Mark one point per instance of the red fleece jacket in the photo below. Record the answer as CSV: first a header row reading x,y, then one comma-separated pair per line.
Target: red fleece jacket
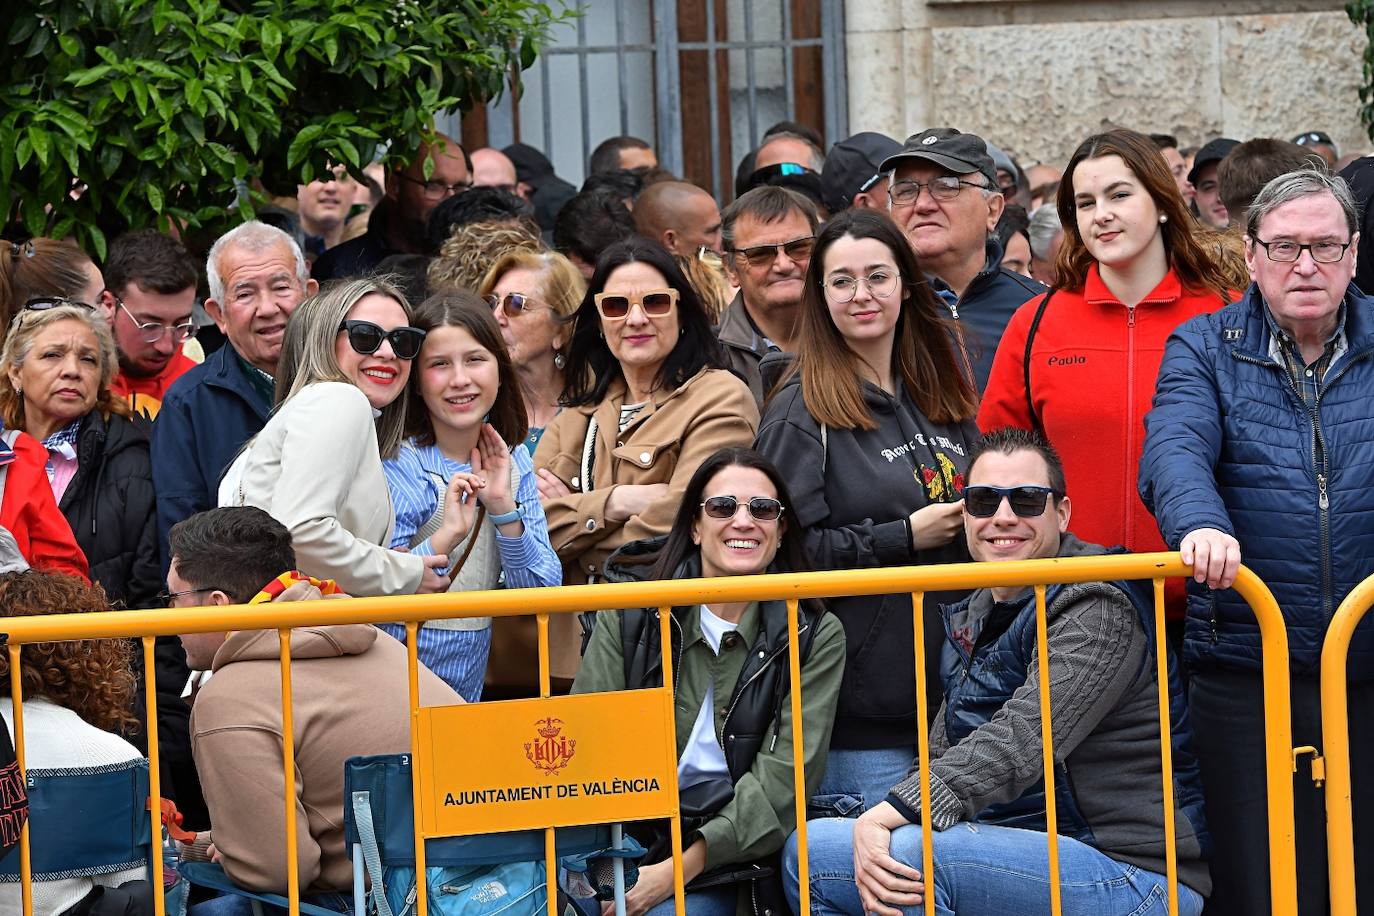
x,y
1093,368
29,511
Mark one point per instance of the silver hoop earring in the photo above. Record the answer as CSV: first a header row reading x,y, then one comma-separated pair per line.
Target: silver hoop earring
x,y
559,360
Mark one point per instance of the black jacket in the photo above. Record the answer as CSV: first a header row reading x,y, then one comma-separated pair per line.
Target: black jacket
x,y
113,512
981,314
852,490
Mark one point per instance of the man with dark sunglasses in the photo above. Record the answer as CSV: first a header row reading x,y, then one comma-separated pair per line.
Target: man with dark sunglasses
x,y
768,234
987,815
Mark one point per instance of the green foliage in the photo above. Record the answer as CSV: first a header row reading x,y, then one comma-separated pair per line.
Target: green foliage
x,y
171,109
1361,12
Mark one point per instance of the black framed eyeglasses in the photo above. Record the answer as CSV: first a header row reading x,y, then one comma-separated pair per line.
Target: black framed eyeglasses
x,y
1286,252
168,597
513,304
797,250
153,331
941,187
1026,501
438,190
762,508
44,303
366,338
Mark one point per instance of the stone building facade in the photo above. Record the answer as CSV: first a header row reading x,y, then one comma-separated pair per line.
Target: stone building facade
x,y
1037,76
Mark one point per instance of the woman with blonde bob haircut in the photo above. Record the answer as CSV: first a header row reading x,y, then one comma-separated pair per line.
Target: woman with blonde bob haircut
x,y
1078,364
55,373
340,408
872,432
534,295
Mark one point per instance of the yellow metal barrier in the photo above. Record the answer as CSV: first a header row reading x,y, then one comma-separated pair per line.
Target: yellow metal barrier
x,y
413,610
1340,826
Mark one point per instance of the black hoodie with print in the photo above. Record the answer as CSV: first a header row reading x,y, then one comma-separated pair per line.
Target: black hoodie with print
x,y
852,493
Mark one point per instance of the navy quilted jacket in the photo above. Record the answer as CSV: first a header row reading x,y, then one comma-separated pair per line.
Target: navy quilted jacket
x,y
1230,445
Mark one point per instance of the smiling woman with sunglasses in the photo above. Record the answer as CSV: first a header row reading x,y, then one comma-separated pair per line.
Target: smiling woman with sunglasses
x,y
533,295
317,465
646,402
737,797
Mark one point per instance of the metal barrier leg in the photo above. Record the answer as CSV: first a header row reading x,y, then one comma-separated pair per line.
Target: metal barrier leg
x,y
618,867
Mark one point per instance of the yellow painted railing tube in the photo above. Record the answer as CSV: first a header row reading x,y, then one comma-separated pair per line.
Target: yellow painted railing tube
x,y
550,836
918,628
288,756
1047,746
1278,742
1166,748
154,770
665,641
413,682
17,699
1340,825
798,758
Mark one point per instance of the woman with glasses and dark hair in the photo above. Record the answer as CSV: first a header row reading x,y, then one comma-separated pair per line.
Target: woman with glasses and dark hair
x,y
316,466
1078,364
459,489
55,371
533,296
872,430
735,751
645,403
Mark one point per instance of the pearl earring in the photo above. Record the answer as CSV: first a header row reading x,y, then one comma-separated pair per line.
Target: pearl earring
x,y
1163,217
559,360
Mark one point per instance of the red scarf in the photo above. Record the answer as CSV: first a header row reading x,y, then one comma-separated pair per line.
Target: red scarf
x,y
272,590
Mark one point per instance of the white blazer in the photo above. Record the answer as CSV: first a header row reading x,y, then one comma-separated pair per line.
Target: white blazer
x,y
317,469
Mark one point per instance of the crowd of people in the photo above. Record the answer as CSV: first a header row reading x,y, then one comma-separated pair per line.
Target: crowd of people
x,y
465,374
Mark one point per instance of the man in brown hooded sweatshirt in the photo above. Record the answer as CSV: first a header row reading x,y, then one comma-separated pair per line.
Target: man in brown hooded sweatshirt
x,y
350,698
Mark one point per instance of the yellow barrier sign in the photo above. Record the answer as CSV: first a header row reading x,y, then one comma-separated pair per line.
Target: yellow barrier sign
x,y
554,762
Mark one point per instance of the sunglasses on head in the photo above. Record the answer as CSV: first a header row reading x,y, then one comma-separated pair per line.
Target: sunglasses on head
x,y
1026,501
366,338
43,303
762,508
616,306
514,304
797,250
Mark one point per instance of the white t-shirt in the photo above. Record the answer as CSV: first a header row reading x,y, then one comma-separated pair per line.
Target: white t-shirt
x,y
704,758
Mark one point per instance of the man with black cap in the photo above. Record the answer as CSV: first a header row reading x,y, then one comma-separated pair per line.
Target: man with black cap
x,y
1207,202
536,182
851,177
944,195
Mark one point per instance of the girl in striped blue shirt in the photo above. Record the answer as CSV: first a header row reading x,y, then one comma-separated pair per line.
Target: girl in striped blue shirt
x,y
456,486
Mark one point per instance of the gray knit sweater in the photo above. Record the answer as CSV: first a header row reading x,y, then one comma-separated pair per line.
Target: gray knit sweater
x,y
1105,726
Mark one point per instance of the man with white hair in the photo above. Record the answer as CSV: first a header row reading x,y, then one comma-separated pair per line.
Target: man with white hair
x,y
257,276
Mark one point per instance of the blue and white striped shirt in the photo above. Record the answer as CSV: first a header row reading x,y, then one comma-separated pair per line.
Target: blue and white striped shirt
x,y
528,561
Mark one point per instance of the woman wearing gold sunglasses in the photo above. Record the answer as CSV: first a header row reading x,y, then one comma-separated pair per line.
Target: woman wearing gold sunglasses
x,y
646,402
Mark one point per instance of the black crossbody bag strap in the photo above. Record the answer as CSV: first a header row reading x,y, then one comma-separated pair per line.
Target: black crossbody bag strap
x,y
1026,361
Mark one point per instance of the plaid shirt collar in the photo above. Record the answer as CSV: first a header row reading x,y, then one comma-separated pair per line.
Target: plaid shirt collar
x,y
1284,349
64,440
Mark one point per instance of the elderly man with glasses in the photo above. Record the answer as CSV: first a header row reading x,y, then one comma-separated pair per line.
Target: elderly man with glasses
x,y
150,291
1259,448
944,194
397,224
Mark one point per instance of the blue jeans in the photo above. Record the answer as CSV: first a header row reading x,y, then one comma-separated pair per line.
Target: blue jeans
x,y
858,780
234,905
984,870
718,901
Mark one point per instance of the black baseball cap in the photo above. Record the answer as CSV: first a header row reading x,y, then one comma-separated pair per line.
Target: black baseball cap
x,y
853,166
1212,151
961,153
